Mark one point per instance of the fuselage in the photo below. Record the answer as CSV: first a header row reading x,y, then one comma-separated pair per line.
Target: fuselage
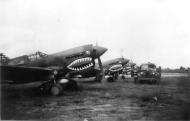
x,y
75,60
115,65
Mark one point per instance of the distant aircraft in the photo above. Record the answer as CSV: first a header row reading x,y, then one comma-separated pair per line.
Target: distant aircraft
x,y
114,67
130,68
54,70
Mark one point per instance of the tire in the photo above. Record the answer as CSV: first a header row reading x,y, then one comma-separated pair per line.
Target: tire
x,y
56,90
110,79
158,81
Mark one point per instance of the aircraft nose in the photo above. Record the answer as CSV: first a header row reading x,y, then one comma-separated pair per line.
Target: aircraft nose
x,y
126,61
98,51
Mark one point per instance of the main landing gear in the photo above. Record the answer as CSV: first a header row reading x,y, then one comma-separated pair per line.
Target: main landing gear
x,y
56,88
112,78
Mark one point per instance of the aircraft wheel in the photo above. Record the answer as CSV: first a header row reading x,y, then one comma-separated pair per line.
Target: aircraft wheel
x,y
110,79
56,89
123,77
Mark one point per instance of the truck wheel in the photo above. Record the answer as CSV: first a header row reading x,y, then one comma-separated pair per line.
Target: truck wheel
x,y
56,89
151,81
141,81
158,81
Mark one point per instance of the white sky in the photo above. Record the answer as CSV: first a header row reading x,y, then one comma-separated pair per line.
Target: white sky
x,y
142,30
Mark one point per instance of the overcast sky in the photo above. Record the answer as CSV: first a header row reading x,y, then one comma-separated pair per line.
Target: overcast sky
x,y
142,30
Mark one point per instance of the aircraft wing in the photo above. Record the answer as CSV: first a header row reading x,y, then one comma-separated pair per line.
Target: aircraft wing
x,y
20,74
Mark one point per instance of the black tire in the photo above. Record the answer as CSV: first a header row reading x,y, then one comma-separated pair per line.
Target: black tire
x,y
141,81
56,90
123,77
110,79
158,81
151,81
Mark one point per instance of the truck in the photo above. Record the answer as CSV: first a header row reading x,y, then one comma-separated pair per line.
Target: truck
x,y
148,73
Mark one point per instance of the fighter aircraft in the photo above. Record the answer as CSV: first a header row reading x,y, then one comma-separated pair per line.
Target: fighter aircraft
x,y
55,71
130,68
114,67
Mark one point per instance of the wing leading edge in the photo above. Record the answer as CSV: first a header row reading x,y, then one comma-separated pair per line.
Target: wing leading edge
x,y
20,74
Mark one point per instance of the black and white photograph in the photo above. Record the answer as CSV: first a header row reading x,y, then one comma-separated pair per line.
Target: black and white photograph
x,y
95,60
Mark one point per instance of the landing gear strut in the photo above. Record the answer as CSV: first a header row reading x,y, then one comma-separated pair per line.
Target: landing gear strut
x,y
54,89
99,75
57,88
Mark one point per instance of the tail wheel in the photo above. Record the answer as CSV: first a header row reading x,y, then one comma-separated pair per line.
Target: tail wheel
x,y
56,89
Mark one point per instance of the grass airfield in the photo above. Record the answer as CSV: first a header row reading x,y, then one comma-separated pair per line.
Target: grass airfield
x,y
116,101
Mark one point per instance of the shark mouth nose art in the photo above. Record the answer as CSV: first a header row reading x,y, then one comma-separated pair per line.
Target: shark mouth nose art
x,y
117,67
81,64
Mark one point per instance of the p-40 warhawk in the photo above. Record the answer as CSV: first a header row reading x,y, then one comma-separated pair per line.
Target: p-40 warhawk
x,y
54,70
114,67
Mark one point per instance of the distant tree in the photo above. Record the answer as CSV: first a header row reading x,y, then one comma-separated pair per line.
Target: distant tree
x,y
188,69
182,68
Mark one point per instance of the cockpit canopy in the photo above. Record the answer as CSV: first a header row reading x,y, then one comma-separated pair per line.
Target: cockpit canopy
x,y
37,55
26,58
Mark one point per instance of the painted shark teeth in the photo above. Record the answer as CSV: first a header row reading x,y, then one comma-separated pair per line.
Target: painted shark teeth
x,y
115,68
87,59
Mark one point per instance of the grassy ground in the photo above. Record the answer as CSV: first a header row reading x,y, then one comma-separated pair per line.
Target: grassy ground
x,y
172,100
118,101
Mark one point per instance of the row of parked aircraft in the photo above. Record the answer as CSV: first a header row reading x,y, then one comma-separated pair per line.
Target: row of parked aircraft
x,y
57,71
